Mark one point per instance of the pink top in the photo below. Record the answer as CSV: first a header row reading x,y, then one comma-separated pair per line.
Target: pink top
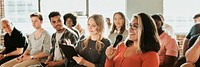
x,y
148,59
168,47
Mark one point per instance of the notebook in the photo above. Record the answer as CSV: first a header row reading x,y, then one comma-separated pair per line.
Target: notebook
x,y
68,51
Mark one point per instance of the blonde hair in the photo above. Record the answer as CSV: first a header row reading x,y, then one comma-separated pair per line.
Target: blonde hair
x,y
100,28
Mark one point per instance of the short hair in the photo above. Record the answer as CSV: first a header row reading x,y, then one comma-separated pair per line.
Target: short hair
x,y
71,16
147,34
7,21
4,20
196,16
37,14
54,13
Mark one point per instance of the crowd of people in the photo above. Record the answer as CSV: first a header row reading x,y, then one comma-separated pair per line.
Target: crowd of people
x,y
148,42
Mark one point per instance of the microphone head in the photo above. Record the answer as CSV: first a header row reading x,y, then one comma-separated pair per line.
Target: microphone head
x,y
118,39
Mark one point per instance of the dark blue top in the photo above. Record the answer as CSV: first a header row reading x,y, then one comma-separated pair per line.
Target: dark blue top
x,y
194,30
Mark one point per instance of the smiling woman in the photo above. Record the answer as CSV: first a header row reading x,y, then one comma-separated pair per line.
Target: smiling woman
x,y
140,48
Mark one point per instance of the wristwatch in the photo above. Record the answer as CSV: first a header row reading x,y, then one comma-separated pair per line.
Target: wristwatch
x,y
4,55
31,57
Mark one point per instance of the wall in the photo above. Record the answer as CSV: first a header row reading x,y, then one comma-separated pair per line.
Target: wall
x,y
146,6
1,16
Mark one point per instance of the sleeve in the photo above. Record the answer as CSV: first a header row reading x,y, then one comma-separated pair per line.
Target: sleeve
x,y
190,32
46,44
29,44
5,40
52,48
70,63
21,41
172,48
109,63
150,59
73,39
103,55
79,46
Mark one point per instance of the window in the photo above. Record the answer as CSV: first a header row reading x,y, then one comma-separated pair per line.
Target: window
x,y
79,7
179,14
18,12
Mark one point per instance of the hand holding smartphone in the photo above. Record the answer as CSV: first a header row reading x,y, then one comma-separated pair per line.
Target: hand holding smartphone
x,y
43,64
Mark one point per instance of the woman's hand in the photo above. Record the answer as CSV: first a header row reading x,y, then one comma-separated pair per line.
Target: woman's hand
x,y
79,60
68,42
110,52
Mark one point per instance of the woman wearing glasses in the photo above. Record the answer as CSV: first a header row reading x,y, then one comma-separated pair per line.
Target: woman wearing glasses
x,y
141,47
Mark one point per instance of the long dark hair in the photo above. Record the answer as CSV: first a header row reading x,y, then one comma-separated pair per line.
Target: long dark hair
x,y
148,36
123,28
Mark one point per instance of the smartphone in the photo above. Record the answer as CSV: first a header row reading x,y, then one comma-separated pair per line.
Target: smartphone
x,y
44,65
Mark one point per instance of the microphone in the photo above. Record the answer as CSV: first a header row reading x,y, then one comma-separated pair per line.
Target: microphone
x,y
118,39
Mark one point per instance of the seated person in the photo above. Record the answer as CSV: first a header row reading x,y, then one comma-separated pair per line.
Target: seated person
x,y
192,55
70,21
14,42
141,47
118,27
92,49
38,47
193,31
56,57
169,47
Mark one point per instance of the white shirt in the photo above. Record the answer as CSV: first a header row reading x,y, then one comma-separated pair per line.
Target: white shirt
x,y
57,53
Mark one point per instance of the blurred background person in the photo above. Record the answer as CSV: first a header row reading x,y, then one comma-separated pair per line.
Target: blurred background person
x,y
195,30
81,31
118,27
168,52
70,21
192,55
108,22
167,28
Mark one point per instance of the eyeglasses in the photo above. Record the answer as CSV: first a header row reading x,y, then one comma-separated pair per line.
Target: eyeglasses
x,y
133,26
